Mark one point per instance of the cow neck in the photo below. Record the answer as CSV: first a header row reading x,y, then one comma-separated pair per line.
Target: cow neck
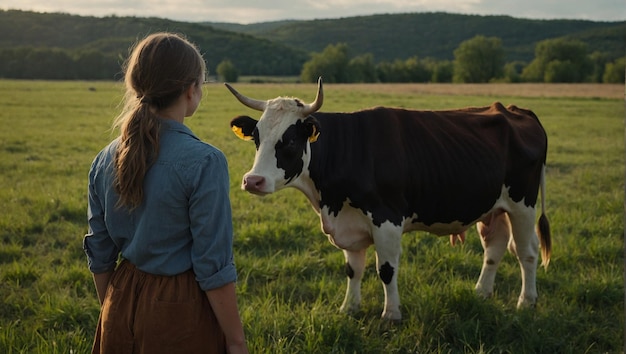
x,y
307,187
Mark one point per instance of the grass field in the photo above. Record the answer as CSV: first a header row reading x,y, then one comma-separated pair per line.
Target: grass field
x,y
291,280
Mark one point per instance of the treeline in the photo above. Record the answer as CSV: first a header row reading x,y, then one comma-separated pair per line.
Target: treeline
x,y
46,63
378,48
58,64
477,60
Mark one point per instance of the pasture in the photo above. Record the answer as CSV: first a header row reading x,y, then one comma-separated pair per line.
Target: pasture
x,y
291,279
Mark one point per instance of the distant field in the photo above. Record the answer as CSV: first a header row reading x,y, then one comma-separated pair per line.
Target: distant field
x,y
291,280
513,90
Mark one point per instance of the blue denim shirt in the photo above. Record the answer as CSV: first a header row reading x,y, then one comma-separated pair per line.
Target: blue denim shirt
x,y
184,221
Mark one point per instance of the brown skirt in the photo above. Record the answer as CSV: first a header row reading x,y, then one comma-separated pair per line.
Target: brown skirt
x,y
144,313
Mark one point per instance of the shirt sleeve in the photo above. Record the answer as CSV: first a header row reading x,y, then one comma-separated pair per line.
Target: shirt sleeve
x,y
211,226
101,251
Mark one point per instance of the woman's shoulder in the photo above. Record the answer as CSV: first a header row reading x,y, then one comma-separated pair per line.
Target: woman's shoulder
x,y
108,152
204,150
187,147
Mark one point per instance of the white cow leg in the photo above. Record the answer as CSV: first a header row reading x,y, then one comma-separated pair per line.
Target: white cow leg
x,y
494,236
388,250
527,250
355,266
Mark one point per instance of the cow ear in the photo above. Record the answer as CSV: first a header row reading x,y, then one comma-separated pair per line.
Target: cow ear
x,y
243,126
314,128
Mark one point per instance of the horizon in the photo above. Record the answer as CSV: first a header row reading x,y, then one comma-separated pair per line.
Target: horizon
x,y
249,12
313,19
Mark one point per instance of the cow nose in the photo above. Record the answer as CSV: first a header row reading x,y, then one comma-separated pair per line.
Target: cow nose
x,y
253,183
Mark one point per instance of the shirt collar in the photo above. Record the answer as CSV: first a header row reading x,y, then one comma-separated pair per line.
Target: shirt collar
x,y
173,125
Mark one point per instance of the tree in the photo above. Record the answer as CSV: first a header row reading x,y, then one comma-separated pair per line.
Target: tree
x,y
409,70
513,71
614,72
561,71
227,71
554,56
362,69
92,64
331,64
598,61
384,72
417,70
443,71
479,59
12,64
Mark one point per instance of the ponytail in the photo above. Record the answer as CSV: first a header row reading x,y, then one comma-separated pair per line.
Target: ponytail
x,y
137,149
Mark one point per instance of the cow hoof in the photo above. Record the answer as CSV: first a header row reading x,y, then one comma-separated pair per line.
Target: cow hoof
x,y
351,310
392,316
526,303
485,294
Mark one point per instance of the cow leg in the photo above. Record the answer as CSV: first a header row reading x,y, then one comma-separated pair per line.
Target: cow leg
x,y
494,235
526,248
388,250
355,267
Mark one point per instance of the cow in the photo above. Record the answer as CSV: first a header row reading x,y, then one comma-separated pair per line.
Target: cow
x,y
375,174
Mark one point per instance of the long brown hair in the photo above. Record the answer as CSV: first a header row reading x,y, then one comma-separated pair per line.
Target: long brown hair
x,y
160,68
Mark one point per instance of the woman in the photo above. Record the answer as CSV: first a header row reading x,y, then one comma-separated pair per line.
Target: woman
x,y
160,230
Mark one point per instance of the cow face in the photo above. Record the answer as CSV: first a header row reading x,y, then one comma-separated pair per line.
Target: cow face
x,y
282,136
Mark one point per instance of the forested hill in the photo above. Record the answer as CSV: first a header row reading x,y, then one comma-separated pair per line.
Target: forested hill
x,y
400,36
112,37
62,46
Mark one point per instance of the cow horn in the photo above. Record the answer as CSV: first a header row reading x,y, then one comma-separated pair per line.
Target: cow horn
x,y
319,99
247,101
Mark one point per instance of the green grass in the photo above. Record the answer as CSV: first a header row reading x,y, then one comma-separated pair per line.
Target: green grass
x,y
291,279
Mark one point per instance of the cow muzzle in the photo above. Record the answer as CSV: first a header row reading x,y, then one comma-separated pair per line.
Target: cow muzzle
x,y
255,184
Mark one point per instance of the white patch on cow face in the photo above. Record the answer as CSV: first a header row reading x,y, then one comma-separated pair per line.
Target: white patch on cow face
x,y
280,114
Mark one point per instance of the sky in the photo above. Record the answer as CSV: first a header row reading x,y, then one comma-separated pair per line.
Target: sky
x,y
253,11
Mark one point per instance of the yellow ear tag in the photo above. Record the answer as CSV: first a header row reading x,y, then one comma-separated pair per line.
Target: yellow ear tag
x,y
239,132
314,136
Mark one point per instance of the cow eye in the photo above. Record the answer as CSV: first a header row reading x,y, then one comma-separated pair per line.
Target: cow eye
x,y
291,143
287,144
287,148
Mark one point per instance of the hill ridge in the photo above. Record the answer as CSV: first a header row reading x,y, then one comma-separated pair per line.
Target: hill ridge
x,y
282,47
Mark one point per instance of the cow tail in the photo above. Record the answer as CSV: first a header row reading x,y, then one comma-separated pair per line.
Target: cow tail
x,y
543,226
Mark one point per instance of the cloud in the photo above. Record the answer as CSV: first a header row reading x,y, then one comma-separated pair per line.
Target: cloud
x,y
557,9
250,11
